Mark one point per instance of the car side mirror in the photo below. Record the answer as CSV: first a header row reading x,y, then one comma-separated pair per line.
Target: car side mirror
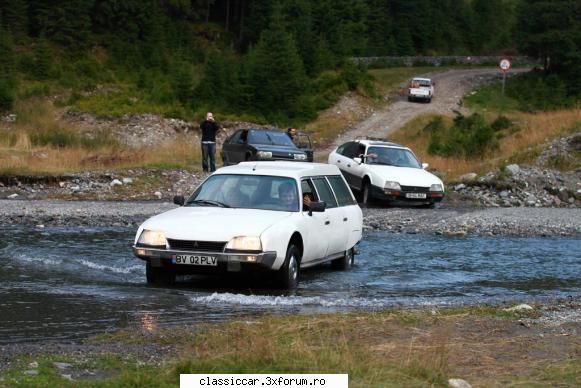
x,y
179,200
425,166
318,207
358,160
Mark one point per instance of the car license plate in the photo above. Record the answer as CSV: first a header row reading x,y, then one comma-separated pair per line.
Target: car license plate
x,y
416,195
195,260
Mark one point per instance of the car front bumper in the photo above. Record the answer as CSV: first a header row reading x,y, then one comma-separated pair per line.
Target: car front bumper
x,y
407,196
226,261
420,96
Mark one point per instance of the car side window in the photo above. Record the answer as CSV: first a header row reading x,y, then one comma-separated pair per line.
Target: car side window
x,y
341,149
307,188
235,137
351,150
342,192
325,192
360,151
243,136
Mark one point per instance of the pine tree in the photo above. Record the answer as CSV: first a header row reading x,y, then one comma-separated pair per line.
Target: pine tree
x,y
277,73
43,59
551,31
13,17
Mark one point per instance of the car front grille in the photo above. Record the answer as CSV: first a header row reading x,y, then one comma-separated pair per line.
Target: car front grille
x,y
415,189
198,246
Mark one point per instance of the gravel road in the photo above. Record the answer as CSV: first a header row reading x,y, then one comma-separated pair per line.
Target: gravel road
x,y
451,86
450,221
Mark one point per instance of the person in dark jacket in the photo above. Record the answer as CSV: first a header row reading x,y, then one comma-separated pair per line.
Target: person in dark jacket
x,y
291,132
209,129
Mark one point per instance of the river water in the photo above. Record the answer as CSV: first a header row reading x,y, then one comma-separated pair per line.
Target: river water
x,y
69,283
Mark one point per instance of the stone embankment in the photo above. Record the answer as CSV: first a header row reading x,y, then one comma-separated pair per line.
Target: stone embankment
x,y
532,186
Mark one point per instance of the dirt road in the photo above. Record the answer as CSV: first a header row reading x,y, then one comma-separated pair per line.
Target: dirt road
x,y
451,86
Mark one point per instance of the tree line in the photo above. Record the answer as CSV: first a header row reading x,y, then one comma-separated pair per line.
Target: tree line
x,y
282,59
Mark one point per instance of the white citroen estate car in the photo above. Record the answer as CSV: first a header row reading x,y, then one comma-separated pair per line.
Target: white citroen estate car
x,y
279,217
386,171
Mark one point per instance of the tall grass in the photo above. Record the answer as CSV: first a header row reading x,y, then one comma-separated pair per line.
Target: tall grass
x,y
534,130
40,142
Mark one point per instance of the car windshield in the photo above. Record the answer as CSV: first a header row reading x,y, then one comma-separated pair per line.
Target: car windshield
x,y
425,84
270,137
389,156
247,192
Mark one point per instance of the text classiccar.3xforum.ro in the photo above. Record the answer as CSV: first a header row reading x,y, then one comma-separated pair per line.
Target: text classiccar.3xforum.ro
x,y
264,380
267,381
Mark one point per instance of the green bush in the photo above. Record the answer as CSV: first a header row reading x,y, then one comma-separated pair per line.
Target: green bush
x,y
501,122
59,138
468,136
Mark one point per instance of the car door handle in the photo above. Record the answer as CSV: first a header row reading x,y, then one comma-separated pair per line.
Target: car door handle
x,y
348,165
327,222
338,161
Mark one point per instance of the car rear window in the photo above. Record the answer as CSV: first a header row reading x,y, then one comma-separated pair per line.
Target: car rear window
x,y
270,138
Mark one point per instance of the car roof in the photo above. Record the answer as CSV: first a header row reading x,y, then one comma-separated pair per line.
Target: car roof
x,y
380,143
261,129
282,168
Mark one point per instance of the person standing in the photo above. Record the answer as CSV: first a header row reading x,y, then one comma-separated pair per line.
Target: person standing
x,y
209,129
291,132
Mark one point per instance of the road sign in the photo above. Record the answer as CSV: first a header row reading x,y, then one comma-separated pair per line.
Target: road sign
x,y
504,64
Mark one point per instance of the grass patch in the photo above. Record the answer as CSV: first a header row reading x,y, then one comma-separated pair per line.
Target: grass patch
x,y
115,104
40,143
529,92
522,146
484,345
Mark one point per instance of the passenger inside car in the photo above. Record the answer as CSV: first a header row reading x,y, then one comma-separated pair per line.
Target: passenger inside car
x,y
236,198
288,197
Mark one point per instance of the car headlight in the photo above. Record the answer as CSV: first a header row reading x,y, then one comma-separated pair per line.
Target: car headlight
x,y
390,185
300,157
152,237
264,155
245,243
436,187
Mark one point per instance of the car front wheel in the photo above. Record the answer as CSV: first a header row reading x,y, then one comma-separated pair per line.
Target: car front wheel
x,y
366,193
158,275
288,274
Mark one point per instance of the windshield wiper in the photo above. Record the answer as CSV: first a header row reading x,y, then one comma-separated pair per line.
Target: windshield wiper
x,y
208,202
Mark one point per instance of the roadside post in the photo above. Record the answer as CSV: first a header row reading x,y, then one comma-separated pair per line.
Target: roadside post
x,y
504,67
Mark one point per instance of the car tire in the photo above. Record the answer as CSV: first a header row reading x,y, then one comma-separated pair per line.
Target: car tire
x,y
366,193
346,262
158,275
288,274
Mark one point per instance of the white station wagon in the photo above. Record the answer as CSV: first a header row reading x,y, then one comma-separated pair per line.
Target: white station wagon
x,y
275,216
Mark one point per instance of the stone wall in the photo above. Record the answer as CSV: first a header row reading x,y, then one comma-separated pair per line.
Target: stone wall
x,y
445,60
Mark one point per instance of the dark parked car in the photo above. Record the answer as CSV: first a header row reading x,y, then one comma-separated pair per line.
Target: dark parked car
x,y
261,144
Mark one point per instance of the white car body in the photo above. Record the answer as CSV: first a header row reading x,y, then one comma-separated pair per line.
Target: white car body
x,y
327,234
383,179
421,89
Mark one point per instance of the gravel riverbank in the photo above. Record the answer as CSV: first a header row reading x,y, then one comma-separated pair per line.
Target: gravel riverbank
x,y
451,221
